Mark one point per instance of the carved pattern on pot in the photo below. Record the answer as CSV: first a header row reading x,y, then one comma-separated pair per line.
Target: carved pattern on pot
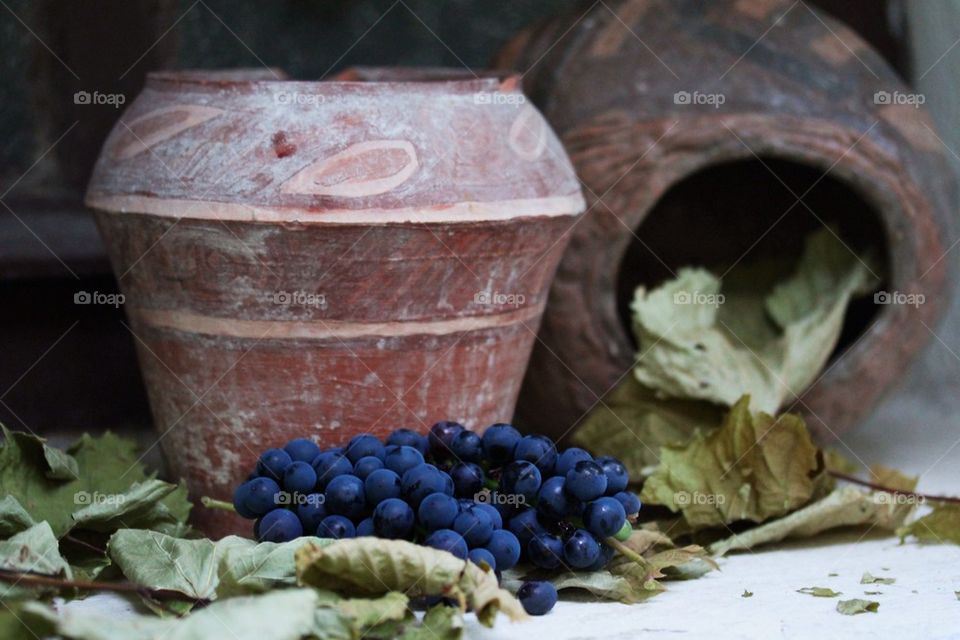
x,y
362,169
150,129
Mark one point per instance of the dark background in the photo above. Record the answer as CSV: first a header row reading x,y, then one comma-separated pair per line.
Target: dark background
x,y
65,367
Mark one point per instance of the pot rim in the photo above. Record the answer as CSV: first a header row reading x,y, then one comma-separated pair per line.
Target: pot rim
x,y
356,79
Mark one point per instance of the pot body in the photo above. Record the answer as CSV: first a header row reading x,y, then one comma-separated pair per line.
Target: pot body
x,y
646,93
328,259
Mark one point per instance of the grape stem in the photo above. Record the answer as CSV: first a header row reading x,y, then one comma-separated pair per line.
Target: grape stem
x,y
44,580
877,487
626,551
213,503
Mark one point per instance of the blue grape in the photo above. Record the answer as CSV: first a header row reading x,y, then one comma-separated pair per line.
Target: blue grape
x,y
586,481
365,528
362,446
402,459
495,516
311,512
279,525
525,526
505,548
409,438
329,465
380,485
537,597
272,463
447,540
393,518
569,458
337,527
468,479
366,465
475,526
262,494
606,554
554,501
539,450
240,495
604,517
299,477
499,441
630,502
438,511
467,446
545,551
520,478
302,450
441,437
421,481
617,476
581,549
478,555
345,496
334,450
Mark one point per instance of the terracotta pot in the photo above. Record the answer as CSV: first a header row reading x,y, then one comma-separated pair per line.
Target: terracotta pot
x,y
329,258
696,127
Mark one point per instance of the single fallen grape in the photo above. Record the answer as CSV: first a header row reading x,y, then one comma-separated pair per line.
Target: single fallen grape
x,y
537,597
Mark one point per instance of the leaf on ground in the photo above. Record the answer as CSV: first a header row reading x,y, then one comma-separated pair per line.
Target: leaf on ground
x,y
106,465
769,343
856,605
138,507
286,614
746,594
751,468
371,566
34,550
13,517
819,592
940,526
202,568
632,424
844,507
871,579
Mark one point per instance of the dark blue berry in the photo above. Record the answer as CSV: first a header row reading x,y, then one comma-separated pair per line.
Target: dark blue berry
x,y
365,528
505,548
366,465
586,481
438,511
302,450
545,551
525,526
336,527
499,441
520,478
272,463
478,555
475,526
240,495
554,501
409,438
467,478
279,525
441,437
537,597
419,482
617,476
539,450
402,459
311,512
299,477
393,518
495,516
345,496
569,458
581,549
447,540
604,517
467,446
262,496
380,485
630,502
606,554
329,465
362,446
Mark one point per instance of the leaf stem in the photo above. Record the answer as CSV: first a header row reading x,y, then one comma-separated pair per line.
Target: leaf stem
x,y
44,580
626,551
878,487
213,503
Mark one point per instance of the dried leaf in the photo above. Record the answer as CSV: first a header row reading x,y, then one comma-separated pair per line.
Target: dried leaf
x,y
940,526
34,550
746,594
819,592
13,517
870,579
855,606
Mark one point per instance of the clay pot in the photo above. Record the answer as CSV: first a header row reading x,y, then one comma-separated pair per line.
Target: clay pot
x,y
696,128
324,259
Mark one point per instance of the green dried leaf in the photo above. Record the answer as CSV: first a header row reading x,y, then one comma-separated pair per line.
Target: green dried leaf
x,y
751,468
371,566
940,526
288,614
855,606
618,582
697,344
746,594
13,517
34,550
139,506
203,568
819,592
844,507
870,579
439,623
106,465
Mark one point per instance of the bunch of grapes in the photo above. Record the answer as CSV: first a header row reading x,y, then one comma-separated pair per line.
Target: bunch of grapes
x,y
493,499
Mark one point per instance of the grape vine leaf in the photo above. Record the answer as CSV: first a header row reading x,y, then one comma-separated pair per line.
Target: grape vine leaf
x,y
941,525
106,465
754,467
202,568
372,566
820,592
13,517
139,506
34,550
856,605
696,343
871,579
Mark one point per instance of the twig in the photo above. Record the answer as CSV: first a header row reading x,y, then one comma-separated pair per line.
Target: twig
x,y
44,580
213,503
624,550
878,487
